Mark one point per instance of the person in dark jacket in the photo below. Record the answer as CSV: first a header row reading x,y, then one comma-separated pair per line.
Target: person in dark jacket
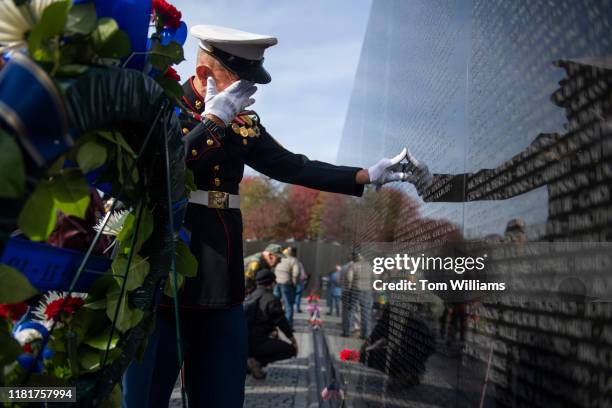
x,y
264,314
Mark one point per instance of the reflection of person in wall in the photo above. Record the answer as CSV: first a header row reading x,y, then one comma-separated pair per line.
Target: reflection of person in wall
x,y
516,231
574,166
356,279
402,352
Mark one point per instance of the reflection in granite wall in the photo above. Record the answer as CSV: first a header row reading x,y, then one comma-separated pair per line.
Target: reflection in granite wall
x,y
510,105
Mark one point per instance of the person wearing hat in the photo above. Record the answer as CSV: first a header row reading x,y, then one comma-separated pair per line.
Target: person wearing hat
x,y
264,314
287,275
266,259
221,137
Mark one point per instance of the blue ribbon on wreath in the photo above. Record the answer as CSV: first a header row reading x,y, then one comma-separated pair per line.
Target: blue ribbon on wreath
x,y
31,106
26,360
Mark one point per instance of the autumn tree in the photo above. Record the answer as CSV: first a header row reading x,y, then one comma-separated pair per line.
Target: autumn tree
x,y
264,209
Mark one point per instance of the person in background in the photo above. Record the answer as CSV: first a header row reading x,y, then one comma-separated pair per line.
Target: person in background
x,y
302,280
334,292
356,278
287,274
516,231
326,281
266,259
264,313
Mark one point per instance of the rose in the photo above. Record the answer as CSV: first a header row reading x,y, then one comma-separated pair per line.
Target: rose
x,y
172,74
170,16
349,355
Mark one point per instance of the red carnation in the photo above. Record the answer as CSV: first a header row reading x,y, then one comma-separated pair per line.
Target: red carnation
x,y
349,355
72,303
172,74
168,13
13,311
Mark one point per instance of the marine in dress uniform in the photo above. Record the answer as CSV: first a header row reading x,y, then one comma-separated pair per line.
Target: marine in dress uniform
x,y
221,137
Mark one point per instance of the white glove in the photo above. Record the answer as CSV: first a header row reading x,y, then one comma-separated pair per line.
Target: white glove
x,y
227,104
419,175
387,170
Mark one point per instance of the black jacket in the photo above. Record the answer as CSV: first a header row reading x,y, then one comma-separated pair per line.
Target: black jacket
x,y
264,313
217,159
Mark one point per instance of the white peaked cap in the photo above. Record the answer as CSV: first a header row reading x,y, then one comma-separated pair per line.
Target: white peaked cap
x,y
239,43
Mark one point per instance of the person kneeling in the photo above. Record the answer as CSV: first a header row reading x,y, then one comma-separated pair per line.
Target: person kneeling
x,y
264,314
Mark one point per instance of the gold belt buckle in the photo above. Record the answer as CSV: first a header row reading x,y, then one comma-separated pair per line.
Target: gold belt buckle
x,y
218,199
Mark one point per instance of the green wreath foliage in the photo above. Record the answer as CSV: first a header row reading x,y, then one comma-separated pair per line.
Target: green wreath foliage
x,y
99,338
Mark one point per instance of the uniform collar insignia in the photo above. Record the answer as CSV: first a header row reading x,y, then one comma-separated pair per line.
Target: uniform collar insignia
x,y
192,98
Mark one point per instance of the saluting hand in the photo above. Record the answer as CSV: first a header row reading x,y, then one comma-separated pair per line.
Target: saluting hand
x,y
227,104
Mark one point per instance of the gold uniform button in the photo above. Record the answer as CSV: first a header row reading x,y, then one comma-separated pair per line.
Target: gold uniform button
x,y
216,168
245,141
209,142
185,131
217,181
198,104
194,152
244,131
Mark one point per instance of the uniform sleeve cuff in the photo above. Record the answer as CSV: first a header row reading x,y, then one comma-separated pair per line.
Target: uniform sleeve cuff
x,y
213,128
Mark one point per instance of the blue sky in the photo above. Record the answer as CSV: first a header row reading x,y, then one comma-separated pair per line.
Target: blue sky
x,y
312,66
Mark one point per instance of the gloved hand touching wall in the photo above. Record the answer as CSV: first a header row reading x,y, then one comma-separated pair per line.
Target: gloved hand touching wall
x,y
387,170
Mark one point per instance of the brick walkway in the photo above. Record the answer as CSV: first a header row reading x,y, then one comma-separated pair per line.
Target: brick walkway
x,y
286,384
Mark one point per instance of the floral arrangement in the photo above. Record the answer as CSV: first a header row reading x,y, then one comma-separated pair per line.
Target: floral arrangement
x,y
314,311
56,336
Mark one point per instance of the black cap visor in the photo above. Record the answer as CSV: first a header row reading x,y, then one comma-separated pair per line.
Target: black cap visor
x,y
251,70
